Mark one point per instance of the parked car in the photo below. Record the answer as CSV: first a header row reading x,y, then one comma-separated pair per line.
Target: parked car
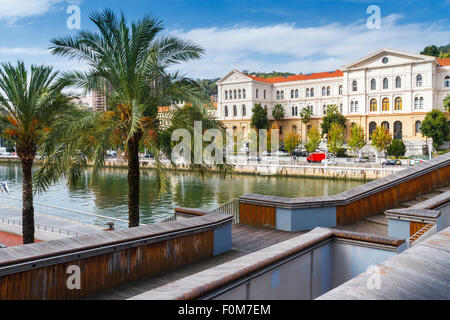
x,y
299,153
148,156
2,246
316,157
361,160
330,161
280,153
392,162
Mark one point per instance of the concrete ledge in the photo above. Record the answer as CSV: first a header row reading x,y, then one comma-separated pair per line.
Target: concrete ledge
x,y
192,212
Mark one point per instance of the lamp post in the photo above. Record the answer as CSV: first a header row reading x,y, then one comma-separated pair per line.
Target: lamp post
x,y
326,152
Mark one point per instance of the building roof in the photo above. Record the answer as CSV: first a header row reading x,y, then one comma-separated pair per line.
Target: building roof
x,y
443,61
300,77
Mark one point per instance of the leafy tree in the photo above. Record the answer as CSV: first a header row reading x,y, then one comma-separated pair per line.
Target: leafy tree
x,y
291,141
381,139
305,116
435,126
333,116
447,103
397,148
431,51
313,140
357,139
273,74
259,121
29,104
336,138
128,63
278,112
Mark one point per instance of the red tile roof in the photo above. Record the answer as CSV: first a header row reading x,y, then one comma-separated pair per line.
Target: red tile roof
x,y
300,77
444,61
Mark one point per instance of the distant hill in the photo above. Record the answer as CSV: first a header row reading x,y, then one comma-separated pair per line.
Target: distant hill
x,y
273,74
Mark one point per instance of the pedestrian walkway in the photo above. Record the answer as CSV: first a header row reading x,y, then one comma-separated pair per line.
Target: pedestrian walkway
x,y
11,217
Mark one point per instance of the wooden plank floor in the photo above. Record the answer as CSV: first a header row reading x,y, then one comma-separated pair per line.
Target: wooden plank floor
x,y
245,239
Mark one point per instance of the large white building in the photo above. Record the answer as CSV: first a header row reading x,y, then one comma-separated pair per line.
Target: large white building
x,y
389,87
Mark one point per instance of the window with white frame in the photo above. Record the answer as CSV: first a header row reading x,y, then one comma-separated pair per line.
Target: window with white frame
x,y
328,91
419,80
355,86
447,82
373,84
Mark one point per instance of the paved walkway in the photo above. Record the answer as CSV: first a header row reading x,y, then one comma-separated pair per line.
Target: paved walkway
x,y
44,221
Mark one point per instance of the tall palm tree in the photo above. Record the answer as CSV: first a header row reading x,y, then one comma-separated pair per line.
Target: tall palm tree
x,y
278,113
128,65
29,103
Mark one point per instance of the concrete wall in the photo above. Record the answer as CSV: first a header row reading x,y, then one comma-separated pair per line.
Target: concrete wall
x,y
305,219
312,274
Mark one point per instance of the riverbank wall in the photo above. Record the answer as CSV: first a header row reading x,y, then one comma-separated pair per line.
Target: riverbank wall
x,y
308,171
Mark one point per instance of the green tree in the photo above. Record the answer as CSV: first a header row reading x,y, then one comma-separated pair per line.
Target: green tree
x,y
431,51
305,115
30,102
259,121
435,126
333,116
357,139
313,140
447,103
397,148
381,139
336,138
128,63
291,141
278,112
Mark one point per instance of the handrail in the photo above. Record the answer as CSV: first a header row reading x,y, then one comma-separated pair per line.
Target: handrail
x,y
421,235
42,227
230,208
82,213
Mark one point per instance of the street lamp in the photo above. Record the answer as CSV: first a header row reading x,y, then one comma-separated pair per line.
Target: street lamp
x,y
326,152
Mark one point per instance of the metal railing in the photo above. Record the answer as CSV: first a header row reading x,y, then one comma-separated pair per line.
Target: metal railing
x,y
422,234
230,208
172,218
81,217
43,227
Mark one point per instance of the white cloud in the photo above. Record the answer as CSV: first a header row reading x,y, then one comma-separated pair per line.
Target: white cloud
x,y
286,47
12,10
23,51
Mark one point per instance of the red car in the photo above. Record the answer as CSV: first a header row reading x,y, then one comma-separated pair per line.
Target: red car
x,y
316,157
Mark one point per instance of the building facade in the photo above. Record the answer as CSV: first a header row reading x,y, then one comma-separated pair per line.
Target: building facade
x,y
389,87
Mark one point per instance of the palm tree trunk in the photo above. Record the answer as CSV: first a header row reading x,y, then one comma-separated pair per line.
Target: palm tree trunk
x,y
133,181
27,202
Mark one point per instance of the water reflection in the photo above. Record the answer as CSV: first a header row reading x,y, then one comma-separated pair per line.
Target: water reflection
x,y
108,196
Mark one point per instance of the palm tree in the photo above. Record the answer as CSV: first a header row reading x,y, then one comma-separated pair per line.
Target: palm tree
x,y
29,104
278,112
305,115
128,65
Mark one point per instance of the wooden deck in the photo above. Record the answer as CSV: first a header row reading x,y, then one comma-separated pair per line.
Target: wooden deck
x,y
246,239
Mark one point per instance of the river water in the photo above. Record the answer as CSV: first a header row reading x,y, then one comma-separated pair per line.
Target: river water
x,y
109,195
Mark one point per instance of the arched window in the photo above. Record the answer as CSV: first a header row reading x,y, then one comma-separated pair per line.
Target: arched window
x,y
264,94
398,103
324,109
352,108
398,130
385,124
282,95
281,130
294,129
307,93
356,106
372,127
373,105
312,92
373,84
421,103
257,93
328,91
235,94
398,82
385,83
226,95
244,111
447,82
418,126
234,111
278,95
419,80
244,94
385,106
292,94
296,111
416,103
323,91
226,111
293,111
341,90
240,94
296,93
355,86
341,108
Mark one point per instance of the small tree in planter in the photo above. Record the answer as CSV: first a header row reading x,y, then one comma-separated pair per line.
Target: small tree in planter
x,y
381,139
357,139
336,138
291,141
313,140
397,148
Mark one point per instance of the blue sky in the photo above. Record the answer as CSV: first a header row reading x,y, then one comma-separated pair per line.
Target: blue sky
x,y
256,35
